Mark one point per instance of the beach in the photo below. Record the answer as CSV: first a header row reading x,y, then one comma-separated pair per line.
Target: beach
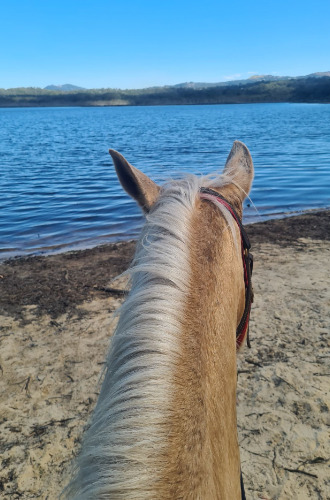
x,y
56,320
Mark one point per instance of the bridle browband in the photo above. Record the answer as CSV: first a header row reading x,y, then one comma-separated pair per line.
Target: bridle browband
x,y
242,330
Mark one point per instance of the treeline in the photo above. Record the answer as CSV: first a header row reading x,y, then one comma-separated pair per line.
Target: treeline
x,y
309,90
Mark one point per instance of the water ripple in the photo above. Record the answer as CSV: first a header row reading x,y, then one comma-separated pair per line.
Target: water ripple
x,y
59,190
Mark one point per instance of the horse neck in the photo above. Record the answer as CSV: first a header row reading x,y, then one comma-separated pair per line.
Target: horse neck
x,y
204,453
165,422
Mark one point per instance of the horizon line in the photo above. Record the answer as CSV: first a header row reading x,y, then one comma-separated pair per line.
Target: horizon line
x,y
204,83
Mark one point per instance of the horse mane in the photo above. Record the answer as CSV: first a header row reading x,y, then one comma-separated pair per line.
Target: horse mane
x,y
122,448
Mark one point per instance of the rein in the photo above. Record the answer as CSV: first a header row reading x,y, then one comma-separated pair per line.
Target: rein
x,y
242,330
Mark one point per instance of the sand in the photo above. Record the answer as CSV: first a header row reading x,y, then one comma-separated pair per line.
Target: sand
x,y
56,319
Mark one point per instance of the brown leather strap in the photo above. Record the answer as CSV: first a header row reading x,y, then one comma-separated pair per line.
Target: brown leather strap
x,y
243,327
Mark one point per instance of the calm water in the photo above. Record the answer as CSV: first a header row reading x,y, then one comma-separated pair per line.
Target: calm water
x,y
58,188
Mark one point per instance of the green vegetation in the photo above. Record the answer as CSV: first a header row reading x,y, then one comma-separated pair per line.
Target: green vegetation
x,y
305,89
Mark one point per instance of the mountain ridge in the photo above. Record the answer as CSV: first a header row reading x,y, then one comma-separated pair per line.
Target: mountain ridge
x,y
314,88
67,87
245,81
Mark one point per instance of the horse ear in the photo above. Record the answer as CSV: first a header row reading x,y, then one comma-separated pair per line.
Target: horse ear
x,y
239,167
135,183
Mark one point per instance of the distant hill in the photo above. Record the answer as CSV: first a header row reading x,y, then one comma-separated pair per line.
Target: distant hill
x,y
67,87
230,83
314,88
318,75
247,81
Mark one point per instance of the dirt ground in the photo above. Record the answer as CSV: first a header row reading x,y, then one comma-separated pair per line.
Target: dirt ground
x,y
56,318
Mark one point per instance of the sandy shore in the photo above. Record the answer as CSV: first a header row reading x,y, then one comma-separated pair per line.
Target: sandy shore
x,y
56,317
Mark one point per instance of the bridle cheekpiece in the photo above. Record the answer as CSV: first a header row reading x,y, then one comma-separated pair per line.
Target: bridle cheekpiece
x,y
242,330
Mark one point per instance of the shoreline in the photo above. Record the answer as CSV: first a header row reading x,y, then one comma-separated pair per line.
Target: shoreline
x,y
299,90
56,319
77,247
129,105
62,281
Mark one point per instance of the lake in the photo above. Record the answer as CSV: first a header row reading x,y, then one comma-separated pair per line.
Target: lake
x,y
58,186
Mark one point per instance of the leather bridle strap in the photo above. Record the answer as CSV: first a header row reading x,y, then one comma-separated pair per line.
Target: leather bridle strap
x,y
247,258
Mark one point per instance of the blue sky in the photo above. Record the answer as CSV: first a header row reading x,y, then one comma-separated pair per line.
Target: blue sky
x,y
142,43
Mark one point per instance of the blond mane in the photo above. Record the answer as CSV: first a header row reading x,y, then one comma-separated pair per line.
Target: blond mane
x,y
128,428
135,443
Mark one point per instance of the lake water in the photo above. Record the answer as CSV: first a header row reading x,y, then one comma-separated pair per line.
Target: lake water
x,y
58,189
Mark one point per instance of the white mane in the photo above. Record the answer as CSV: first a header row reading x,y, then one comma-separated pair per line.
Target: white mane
x,y
121,450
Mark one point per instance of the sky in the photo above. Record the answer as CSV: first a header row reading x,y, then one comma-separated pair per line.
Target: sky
x,y
145,43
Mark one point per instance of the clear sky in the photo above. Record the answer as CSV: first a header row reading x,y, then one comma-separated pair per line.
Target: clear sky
x,y
142,43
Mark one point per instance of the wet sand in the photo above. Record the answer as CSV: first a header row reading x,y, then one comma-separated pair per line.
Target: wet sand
x,y
56,318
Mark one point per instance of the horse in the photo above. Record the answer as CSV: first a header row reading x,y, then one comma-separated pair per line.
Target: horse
x,y
164,426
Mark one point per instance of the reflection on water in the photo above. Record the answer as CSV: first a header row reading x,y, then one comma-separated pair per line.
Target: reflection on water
x,y
59,190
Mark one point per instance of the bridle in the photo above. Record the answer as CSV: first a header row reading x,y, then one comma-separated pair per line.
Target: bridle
x,y
242,330
247,258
